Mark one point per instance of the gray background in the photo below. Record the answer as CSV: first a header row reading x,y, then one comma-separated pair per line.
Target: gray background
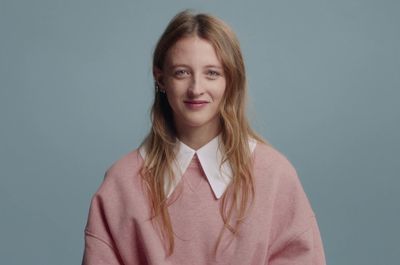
x,y
76,84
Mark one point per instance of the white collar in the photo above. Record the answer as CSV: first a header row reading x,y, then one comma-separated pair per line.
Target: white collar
x,y
210,158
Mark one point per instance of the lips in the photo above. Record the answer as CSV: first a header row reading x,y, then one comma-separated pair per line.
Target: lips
x,y
195,104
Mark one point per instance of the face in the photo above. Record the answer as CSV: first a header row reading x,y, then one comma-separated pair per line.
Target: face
x,y
194,82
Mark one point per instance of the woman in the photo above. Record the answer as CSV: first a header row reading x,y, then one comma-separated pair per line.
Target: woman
x,y
203,188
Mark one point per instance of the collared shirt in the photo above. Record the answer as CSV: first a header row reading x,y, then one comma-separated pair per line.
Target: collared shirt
x,y
218,173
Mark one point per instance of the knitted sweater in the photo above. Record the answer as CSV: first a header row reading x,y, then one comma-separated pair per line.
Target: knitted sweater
x,y
280,227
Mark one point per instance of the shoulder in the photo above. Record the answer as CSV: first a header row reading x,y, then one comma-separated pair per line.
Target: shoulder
x,y
279,190
119,197
125,165
268,158
121,192
275,176
121,174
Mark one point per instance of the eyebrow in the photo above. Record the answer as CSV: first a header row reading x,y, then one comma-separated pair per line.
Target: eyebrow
x,y
206,66
178,65
213,66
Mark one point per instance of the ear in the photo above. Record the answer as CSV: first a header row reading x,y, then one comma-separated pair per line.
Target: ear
x,y
158,77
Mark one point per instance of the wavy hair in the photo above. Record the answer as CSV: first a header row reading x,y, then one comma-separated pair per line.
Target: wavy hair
x,y
235,129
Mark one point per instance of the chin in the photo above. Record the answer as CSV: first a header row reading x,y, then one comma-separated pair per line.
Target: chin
x,y
195,124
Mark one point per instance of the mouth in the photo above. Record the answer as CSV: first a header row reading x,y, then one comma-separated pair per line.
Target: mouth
x,y
195,104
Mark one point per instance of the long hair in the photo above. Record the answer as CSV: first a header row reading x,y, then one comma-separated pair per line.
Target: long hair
x,y
235,129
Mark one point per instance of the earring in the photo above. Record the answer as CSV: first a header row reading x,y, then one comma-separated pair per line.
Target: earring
x,y
158,88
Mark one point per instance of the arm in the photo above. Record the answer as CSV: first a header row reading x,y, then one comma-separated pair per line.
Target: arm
x,y
98,251
99,245
295,236
304,248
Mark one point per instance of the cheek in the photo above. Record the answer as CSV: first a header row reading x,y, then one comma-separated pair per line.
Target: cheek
x,y
172,99
220,90
174,87
174,95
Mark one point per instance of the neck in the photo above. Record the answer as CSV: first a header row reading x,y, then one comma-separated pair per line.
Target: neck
x,y
197,137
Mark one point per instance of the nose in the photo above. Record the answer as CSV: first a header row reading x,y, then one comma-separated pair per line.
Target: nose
x,y
196,87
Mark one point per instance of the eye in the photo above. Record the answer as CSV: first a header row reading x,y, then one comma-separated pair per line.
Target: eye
x,y
213,74
181,73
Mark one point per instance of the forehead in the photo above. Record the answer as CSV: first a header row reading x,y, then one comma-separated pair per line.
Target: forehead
x,y
192,50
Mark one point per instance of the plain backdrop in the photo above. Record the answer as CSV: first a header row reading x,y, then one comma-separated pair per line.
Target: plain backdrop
x,y
76,86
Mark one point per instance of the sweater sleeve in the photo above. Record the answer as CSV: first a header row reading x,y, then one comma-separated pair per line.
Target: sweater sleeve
x,y
302,249
98,251
100,247
295,237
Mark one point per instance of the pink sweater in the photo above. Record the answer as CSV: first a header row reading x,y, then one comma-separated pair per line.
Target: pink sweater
x,y
280,229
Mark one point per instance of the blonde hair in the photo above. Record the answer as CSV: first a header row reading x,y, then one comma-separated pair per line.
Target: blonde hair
x,y
235,129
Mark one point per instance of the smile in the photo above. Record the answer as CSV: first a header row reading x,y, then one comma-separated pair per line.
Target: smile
x,y
195,104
